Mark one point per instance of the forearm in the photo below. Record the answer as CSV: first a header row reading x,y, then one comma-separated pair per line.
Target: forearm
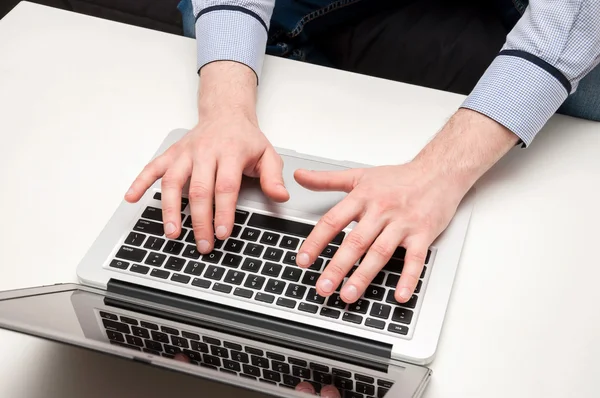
x,y
466,147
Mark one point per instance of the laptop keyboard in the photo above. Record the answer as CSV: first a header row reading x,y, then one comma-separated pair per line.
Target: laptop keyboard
x,y
258,263
237,359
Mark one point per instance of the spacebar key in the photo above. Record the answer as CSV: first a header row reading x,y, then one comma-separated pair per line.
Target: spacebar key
x,y
286,226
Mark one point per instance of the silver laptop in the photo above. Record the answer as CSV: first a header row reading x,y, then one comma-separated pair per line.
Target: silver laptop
x,y
245,314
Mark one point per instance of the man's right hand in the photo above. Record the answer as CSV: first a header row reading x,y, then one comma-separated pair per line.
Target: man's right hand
x,y
225,144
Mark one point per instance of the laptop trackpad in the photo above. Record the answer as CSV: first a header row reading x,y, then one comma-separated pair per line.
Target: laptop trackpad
x,y
301,199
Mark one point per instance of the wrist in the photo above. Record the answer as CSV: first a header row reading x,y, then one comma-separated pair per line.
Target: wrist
x,y
465,149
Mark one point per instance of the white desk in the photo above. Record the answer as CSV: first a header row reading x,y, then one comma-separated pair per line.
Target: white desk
x,y
85,102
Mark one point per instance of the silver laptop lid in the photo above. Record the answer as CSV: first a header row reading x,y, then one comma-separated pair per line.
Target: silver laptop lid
x,y
238,356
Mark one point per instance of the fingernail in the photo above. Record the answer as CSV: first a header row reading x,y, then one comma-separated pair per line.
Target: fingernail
x,y
169,228
306,390
221,231
350,292
303,259
326,286
203,246
405,293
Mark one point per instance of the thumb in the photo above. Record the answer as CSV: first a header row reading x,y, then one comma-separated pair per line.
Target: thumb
x,y
271,179
344,180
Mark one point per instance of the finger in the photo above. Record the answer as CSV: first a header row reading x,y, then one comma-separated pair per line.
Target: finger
x,y
330,392
152,172
344,180
171,185
201,203
416,252
306,387
227,188
378,255
271,179
182,358
354,246
332,222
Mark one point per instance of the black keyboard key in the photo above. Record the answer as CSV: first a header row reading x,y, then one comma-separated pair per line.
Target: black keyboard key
x,y
271,269
379,279
289,243
255,282
108,315
236,231
343,383
301,372
313,297
270,238
153,345
155,259
245,293
193,355
221,287
375,292
200,347
317,265
412,303
310,278
251,370
212,257
174,264
149,325
179,342
298,362
240,216
154,243
115,336
232,260
190,238
219,351
291,380
319,368
233,346
292,274
118,343
273,254
395,328
194,268
363,388
283,302
259,361
402,315
423,272
341,373
251,265
392,280
231,365
394,265
353,318
323,378
128,320
380,310
160,337
254,250
295,291
149,351
305,307
234,277
191,336
418,288
382,392
265,298
173,247
211,340
286,226
119,264
250,234
203,283
149,227
188,222
330,313
131,253
361,306
139,269
364,379
289,258
170,330
272,376
160,273
275,356
204,365
374,323
239,356
234,245
211,360
135,239
152,213
255,351
215,273
335,301
400,253
329,251
182,232
275,286
218,243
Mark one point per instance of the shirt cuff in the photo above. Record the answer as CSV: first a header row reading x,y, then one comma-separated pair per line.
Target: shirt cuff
x,y
521,92
231,35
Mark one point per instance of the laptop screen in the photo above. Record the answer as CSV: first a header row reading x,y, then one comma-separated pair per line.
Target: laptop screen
x,y
85,317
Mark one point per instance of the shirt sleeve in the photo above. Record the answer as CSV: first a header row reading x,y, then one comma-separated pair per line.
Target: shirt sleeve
x,y
232,30
552,47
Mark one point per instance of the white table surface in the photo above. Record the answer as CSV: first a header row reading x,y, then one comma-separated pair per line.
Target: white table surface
x,y
84,103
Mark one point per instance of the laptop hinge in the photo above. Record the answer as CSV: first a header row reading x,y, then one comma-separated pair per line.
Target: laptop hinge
x,y
294,331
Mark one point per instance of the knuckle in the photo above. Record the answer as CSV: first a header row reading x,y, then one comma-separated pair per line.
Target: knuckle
x,y
224,215
199,191
330,221
171,181
416,257
409,279
382,250
336,271
169,209
356,242
226,186
361,278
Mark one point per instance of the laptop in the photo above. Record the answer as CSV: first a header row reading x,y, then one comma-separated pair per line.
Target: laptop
x,y
245,315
